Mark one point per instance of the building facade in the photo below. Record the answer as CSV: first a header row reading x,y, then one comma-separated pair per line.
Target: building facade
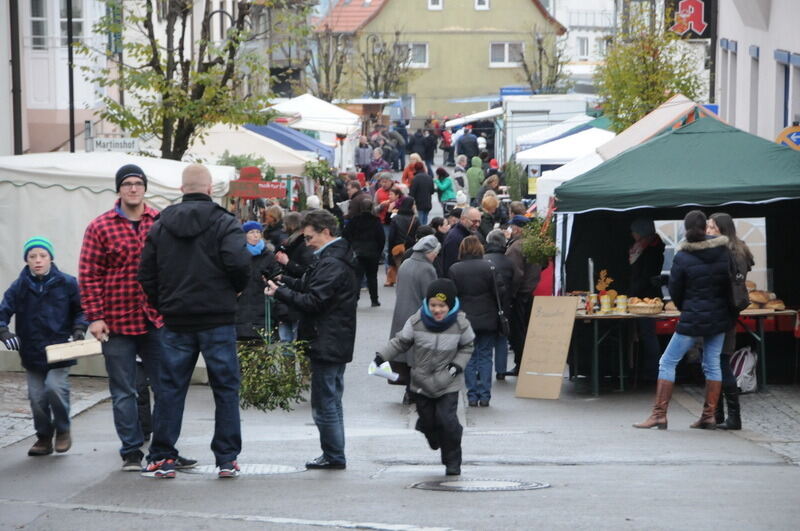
x,y
461,51
758,64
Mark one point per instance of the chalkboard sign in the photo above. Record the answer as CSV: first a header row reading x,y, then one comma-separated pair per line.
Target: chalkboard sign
x,y
546,346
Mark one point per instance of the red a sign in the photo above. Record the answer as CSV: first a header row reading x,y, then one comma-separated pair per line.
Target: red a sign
x,y
690,15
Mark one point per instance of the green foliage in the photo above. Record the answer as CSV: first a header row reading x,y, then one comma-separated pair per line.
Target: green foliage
x,y
273,375
174,89
243,161
515,178
642,69
538,241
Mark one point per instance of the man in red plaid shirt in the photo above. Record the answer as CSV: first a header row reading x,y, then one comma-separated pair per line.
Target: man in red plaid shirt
x,y
117,308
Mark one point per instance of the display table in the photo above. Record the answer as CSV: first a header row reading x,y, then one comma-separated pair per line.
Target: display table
x,y
619,318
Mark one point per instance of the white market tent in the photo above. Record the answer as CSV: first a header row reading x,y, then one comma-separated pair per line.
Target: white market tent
x,y
550,180
476,117
541,136
240,141
326,119
56,195
565,149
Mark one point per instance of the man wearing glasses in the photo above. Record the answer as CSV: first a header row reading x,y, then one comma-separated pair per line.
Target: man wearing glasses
x,y
118,310
467,226
326,296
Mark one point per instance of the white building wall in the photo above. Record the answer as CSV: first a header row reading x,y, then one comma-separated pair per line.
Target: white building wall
x,y
752,90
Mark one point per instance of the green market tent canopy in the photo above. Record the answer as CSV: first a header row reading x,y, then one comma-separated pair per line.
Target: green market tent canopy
x,y
705,163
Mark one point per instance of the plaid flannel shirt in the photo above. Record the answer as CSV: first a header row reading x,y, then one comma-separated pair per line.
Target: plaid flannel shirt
x,y
108,266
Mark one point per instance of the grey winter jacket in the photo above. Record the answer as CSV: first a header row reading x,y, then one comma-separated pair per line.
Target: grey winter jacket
x,y
432,353
413,279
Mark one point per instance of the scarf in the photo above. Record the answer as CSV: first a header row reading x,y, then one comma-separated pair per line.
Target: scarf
x,y
439,326
638,248
256,249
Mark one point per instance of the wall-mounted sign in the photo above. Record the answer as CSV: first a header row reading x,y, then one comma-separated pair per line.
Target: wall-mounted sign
x,y
790,137
256,189
127,145
693,19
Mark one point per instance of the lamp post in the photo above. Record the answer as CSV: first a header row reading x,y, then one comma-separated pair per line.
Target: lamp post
x,y
70,79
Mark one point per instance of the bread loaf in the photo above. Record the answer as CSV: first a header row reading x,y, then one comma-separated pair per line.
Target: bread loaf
x,y
670,307
753,306
750,285
759,297
776,304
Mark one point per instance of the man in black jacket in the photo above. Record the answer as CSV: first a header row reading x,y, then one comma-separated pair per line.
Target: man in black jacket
x,y
327,296
422,190
194,264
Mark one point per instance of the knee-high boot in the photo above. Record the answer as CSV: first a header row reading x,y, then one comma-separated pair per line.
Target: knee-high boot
x,y
658,418
706,420
734,420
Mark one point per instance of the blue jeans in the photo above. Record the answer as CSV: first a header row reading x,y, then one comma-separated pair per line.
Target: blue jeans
x,y
423,216
287,332
120,356
478,374
181,350
679,344
387,258
501,354
327,386
49,396
429,166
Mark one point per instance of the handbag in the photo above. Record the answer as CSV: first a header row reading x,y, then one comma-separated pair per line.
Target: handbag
x,y
400,248
739,296
502,320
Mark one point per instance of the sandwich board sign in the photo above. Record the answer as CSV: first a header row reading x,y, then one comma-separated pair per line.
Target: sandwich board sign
x,y
541,370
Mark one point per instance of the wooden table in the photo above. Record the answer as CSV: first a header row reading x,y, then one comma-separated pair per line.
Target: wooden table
x,y
595,318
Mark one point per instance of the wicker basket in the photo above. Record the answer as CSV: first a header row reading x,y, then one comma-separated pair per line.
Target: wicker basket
x,y
645,309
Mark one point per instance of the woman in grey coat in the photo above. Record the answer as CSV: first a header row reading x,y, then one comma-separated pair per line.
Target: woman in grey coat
x,y
439,340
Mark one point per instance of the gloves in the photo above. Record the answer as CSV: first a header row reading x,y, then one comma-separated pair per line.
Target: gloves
x,y
10,340
454,369
78,334
378,360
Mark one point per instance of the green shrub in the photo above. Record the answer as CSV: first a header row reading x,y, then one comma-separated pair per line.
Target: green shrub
x,y
274,375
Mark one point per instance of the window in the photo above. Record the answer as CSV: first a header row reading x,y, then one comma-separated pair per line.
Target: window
x,y
417,54
583,48
435,5
754,95
732,81
602,46
505,54
38,25
77,21
482,5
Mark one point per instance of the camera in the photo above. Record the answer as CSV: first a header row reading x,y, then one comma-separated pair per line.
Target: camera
x,y
272,271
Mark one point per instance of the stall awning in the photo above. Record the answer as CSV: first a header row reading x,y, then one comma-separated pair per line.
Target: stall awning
x,y
565,149
293,139
706,163
541,136
478,116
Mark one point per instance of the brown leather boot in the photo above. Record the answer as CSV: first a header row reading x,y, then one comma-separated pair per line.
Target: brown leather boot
x,y
391,276
707,420
658,418
42,446
63,442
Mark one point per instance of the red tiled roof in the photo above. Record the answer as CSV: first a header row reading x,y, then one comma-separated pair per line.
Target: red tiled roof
x,y
349,16
560,29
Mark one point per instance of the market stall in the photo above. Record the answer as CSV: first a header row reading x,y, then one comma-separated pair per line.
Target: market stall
x,y
548,134
293,140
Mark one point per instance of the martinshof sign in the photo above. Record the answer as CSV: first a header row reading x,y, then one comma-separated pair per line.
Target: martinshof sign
x,y
256,189
115,144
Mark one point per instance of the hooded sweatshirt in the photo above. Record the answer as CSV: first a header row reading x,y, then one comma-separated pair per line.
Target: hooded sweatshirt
x,y
194,262
475,177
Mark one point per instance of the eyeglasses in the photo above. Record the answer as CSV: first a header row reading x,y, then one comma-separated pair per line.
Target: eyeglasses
x,y
132,185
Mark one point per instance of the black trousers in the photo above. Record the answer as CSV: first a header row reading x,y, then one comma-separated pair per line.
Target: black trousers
x,y
369,266
143,400
438,421
728,347
518,324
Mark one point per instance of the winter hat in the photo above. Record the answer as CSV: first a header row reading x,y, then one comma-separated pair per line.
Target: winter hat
x,y
461,198
493,164
427,244
444,290
130,170
33,243
312,202
519,221
252,225
643,227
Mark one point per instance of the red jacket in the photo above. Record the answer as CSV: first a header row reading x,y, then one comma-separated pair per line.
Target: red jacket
x,y
107,270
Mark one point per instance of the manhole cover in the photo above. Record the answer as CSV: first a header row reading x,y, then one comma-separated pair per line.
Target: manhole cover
x,y
479,485
250,469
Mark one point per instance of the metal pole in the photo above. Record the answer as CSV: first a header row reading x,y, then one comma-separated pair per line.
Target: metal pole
x,y
71,79
712,67
16,91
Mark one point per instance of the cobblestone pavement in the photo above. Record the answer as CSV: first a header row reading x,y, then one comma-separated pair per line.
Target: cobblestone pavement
x,y
770,419
16,422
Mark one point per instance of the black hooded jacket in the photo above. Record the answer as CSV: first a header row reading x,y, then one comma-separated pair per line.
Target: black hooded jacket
x,y
194,263
326,296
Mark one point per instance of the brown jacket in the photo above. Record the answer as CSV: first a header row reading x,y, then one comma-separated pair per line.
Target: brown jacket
x,y
526,275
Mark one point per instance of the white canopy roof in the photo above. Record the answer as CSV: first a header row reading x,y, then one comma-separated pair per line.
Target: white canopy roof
x,y
565,149
240,141
483,115
318,115
552,179
541,136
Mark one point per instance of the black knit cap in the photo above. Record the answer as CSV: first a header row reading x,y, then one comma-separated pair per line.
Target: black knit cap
x,y
130,170
444,290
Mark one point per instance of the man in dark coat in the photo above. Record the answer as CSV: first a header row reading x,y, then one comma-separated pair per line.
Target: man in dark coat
x,y
327,294
416,144
467,226
194,263
504,271
468,144
429,143
421,190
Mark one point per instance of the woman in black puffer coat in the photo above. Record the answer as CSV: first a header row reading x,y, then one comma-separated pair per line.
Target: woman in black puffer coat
x,y
700,287
475,283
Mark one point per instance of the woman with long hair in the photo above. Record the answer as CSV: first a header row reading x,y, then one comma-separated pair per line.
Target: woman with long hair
x,y
699,285
721,224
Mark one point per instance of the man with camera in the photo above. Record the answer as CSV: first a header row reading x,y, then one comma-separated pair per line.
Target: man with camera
x,y
326,296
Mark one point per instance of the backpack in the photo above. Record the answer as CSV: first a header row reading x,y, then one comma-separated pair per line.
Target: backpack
x,y
739,296
743,365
